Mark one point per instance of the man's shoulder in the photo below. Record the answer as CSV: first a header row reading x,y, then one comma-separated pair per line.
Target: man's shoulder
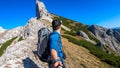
x,y
54,35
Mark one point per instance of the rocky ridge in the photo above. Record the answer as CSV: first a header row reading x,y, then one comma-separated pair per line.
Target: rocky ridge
x,y
20,54
107,37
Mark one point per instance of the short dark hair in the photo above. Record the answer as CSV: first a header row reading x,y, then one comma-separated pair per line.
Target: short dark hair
x,y
56,24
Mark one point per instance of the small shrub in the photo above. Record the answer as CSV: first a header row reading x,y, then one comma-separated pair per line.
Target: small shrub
x,y
70,33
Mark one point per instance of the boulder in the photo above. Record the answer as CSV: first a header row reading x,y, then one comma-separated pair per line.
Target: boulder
x,y
83,34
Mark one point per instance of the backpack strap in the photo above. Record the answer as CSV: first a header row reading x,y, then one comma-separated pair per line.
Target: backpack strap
x,y
59,41
64,55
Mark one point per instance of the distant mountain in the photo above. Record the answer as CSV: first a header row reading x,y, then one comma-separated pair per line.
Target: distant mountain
x,y
107,37
117,29
1,30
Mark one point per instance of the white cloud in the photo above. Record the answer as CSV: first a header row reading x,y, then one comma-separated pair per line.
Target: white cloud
x,y
111,23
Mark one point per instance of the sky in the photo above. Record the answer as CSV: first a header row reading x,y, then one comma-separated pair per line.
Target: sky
x,y
105,13
14,13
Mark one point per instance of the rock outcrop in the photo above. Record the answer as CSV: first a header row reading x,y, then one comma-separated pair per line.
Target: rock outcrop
x,y
32,27
82,34
107,37
41,12
21,55
85,36
11,34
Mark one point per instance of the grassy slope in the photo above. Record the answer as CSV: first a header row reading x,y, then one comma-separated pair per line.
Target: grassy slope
x,y
79,57
75,26
5,45
20,39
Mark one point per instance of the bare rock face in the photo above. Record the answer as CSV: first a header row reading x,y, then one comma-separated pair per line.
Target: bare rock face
x,y
41,12
85,36
34,24
11,34
32,27
21,55
107,37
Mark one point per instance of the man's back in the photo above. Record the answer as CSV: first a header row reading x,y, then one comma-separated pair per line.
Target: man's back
x,y
56,43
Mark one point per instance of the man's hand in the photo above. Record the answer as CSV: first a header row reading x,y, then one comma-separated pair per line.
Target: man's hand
x,y
55,57
59,63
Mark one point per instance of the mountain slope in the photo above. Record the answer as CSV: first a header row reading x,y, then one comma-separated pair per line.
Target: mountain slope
x,y
21,53
117,29
79,57
103,52
107,37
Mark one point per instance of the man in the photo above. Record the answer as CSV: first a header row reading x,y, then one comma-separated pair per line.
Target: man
x,y
56,46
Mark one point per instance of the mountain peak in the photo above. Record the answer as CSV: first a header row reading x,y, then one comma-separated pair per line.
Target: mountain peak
x,y
41,11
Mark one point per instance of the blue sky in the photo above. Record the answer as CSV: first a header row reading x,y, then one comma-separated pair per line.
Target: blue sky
x,y
105,13
15,13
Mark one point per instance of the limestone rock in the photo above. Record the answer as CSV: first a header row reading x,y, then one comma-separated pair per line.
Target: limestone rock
x,y
83,34
41,12
32,27
107,37
11,34
20,55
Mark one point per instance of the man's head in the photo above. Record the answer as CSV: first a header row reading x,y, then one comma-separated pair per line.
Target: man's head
x,y
56,24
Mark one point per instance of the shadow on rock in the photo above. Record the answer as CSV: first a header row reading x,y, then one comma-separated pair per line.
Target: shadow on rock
x,y
28,63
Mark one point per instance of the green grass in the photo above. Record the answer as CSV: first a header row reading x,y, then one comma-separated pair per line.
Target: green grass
x,y
70,33
5,45
20,39
95,50
75,27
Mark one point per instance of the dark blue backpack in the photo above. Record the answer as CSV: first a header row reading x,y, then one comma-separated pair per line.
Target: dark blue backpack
x,y
43,48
